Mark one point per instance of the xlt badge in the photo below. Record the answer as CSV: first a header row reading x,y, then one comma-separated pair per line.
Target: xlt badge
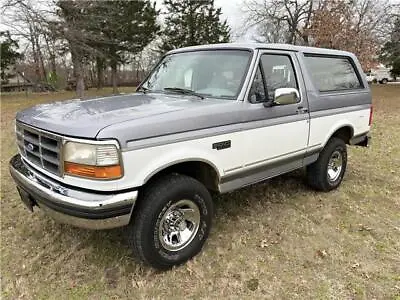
x,y
222,145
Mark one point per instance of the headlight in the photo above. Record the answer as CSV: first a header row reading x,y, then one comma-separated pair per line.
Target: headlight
x,y
90,160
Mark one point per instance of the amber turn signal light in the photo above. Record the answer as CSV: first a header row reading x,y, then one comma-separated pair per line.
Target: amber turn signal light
x,y
100,172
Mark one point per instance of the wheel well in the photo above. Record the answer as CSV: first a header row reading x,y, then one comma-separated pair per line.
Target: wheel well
x,y
344,133
199,170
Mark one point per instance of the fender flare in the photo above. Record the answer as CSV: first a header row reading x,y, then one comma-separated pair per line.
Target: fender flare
x,y
183,160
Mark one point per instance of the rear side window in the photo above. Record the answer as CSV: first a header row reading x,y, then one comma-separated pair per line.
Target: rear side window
x,y
333,73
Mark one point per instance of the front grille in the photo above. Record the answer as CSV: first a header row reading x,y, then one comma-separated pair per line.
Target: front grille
x,y
40,148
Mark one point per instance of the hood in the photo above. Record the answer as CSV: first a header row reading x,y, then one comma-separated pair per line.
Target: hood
x,y
87,118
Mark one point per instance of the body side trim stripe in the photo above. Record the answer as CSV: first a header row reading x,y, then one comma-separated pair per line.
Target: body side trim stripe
x,y
276,159
300,151
260,173
271,163
231,128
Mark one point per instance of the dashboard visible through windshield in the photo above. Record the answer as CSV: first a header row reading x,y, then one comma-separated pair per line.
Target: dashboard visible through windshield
x,y
209,73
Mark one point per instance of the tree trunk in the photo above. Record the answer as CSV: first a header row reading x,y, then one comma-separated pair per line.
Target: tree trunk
x,y
54,79
80,87
100,72
305,35
35,55
39,51
53,65
78,72
114,76
40,63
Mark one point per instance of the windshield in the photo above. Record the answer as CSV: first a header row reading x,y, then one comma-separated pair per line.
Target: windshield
x,y
214,73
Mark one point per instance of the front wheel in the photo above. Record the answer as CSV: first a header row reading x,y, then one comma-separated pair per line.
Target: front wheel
x,y
327,172
171,222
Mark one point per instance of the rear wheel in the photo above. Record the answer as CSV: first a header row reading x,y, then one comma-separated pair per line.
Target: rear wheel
x,y
171,222
384,81
327,172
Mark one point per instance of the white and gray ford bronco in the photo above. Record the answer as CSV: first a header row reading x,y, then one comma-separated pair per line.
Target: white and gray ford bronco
x,y
207,119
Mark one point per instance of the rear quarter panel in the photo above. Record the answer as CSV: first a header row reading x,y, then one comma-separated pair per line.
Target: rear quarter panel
x,y
330,111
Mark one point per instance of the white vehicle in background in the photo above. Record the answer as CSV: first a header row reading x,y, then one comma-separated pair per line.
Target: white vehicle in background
x,y
381,74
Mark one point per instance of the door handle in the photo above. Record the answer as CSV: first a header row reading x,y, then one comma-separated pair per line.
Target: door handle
x,y
302,110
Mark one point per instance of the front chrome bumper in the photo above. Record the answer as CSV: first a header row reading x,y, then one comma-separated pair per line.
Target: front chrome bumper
x,y
81,208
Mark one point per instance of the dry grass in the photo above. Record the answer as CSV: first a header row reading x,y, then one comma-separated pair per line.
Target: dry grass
x,y
277,239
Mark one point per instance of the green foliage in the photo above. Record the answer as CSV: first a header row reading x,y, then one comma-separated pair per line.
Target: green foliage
x,y
395,71
8,53
105,32
193,22
123,27
52,78
108,29
391,51
76,18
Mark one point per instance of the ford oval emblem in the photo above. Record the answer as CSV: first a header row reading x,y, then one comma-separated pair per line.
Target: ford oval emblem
x,y
30,147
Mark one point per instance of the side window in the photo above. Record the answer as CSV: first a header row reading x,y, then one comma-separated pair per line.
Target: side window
x,y
278,72
332,73
257,90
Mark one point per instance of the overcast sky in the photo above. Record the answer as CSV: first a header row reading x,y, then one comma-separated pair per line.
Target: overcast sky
x,y
231,11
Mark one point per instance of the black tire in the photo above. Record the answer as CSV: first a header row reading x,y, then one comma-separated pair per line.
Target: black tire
x,y
384,81
154,205
317,173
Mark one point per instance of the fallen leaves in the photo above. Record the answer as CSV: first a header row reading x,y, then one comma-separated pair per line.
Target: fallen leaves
x,y
252,284
273,240
266,243
111,276
362,227
322,253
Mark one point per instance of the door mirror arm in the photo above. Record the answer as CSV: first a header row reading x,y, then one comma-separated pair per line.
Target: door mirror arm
x,y
269,103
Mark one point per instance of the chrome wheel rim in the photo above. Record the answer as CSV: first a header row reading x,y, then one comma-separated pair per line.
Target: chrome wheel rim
x,y
335,165
179,225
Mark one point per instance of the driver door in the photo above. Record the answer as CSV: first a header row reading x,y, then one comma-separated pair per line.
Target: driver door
x,y
277,135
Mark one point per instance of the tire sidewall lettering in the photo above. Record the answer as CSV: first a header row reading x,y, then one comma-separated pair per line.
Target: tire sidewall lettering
x,y
157,243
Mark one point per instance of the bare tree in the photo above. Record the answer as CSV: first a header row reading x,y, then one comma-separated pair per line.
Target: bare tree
x,y
280,20
24,25
360,27
30,21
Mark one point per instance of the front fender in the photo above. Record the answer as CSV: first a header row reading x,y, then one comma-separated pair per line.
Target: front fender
x,y
145,163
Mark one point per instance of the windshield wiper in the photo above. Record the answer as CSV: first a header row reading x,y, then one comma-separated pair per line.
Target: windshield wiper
x,y
183,91
143,89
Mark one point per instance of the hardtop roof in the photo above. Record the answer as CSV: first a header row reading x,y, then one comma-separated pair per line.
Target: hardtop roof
x,y
255,46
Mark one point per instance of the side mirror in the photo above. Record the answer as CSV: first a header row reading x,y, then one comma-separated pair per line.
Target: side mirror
x,y
285,96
